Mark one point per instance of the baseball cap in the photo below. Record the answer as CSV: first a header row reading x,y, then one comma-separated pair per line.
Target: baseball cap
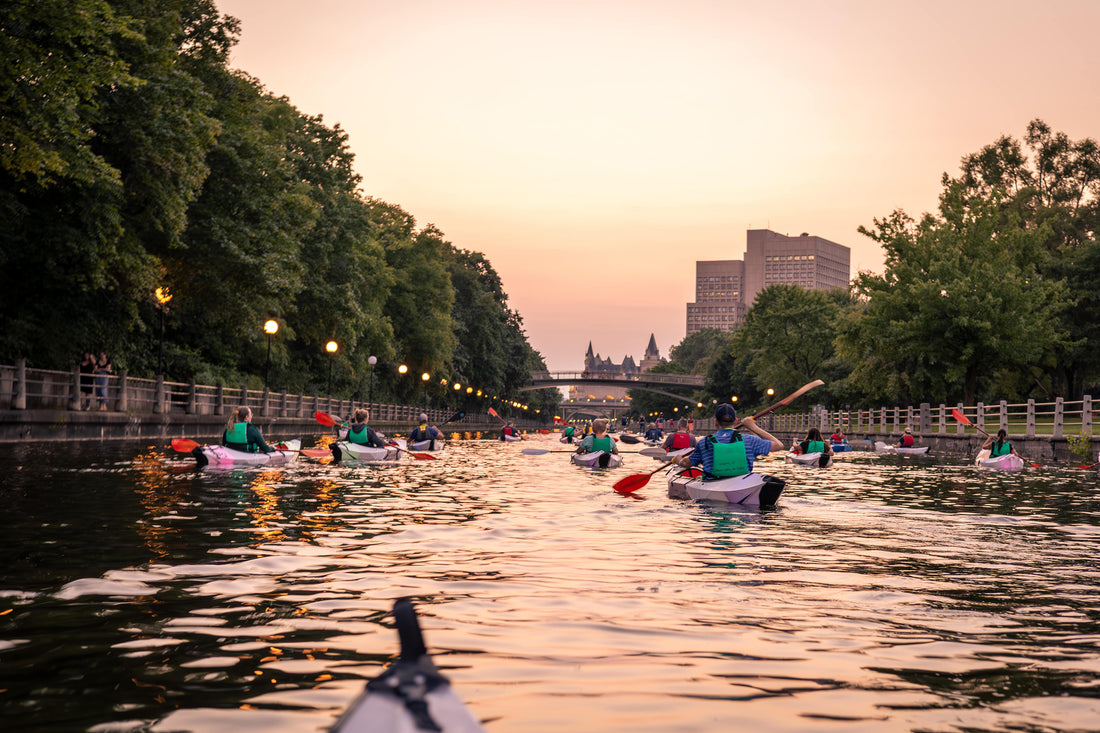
x,y
725,413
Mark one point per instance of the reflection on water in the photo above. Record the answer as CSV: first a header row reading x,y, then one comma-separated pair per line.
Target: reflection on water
x,y
886,593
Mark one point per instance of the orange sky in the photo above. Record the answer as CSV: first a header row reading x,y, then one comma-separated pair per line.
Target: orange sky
x,y
595,150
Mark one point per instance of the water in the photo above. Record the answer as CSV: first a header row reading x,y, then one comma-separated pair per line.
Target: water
x,y
886,593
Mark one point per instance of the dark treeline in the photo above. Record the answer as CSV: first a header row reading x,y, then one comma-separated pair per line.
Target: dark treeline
x,y
133,158
995,296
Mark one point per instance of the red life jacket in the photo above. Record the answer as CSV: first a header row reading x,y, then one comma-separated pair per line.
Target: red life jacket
x,y
680,440
907,441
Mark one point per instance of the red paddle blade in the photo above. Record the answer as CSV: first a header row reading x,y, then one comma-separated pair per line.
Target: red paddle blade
x,y
316,452
960,417
630,484
422,456
184,445
493,413
545,432
324,418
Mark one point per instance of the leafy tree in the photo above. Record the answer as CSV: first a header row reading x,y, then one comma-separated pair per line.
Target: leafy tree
x,y
961,298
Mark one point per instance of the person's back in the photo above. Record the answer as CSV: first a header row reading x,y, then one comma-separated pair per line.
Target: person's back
x,y
240,434
728,452
362,434
598,439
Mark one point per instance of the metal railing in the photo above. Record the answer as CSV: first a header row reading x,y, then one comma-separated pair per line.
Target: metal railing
x,y
41,389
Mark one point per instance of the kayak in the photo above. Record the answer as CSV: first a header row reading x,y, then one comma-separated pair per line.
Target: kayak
x,y
752,489
887,448
411,695
219,455
1007,462
567,439
597,459
810,459
841,447
510,438
344,451
435,445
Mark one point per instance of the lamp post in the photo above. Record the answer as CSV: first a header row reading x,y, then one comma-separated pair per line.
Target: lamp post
x,y
371,361
162,296
271,328
331,348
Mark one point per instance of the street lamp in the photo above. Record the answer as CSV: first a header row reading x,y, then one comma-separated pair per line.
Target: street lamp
x,y
331,348
163,296
371,361
270,328
770,391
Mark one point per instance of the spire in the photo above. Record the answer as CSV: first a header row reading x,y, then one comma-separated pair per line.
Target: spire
x,y
652,348
589,353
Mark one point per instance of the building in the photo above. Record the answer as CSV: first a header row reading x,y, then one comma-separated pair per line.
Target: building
x,y
725,289
596,365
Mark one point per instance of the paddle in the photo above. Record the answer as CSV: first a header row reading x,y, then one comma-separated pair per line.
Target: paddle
x,y
544,451
457,416
957,414
1091,465
184,445
498,417
629,439
630,484
316,452
414,454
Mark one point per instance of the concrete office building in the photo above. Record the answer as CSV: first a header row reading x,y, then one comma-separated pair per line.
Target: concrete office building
x,y
725,289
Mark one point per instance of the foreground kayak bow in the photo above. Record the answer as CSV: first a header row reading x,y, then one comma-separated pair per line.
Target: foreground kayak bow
x,y
411,695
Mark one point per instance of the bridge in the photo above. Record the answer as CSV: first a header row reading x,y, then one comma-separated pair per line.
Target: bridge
x,y
645,381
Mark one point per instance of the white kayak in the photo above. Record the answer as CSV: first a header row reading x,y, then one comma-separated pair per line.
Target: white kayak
x,y
887,448
569,439
752,489
218,455
345,451
435,445
810,459
510,438
597,459
1007,462
410,696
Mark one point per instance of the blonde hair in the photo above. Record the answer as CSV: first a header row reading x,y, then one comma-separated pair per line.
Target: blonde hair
x,y
360,415
599,425
241,414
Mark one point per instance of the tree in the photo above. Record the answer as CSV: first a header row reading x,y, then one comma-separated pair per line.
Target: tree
x,y
961,298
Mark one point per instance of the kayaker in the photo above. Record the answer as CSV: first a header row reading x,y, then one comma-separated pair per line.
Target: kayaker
x,y
568,433
423,432
240,434
360,433
681,439
727,452
598,439
814,443
906,439
509,431
653,432
1000,446
837,438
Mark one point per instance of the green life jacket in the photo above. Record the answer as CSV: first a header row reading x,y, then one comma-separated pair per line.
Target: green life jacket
x,y
569,431
1000,449
238,435
815,446
603,444
729,458
358,435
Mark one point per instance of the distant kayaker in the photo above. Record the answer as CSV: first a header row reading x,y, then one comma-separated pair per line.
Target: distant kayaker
x,y
653,432
568,432
727,452
906,439
509,431
598,439
814,443
240,434
1000,446
423,432
837,438
681,439
360,433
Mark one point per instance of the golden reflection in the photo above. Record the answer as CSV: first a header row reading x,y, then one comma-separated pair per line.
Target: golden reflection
x,y
265,513
159,496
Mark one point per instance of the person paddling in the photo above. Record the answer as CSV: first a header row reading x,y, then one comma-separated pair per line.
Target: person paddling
x,y
838,437
727,452
568,433
509,431
814,443
240,434
598,439
423,432
681,439
1000,446
653,432
906,439
362,434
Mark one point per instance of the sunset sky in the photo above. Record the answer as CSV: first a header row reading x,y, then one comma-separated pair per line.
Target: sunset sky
x,y
595,150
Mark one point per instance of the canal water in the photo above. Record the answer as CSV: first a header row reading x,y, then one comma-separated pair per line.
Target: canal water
x,y
885,593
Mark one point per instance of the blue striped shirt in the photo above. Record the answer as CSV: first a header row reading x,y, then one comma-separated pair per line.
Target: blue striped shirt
x,y
754,446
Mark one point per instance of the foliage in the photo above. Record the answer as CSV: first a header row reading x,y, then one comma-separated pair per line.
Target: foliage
x,y
1081,444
